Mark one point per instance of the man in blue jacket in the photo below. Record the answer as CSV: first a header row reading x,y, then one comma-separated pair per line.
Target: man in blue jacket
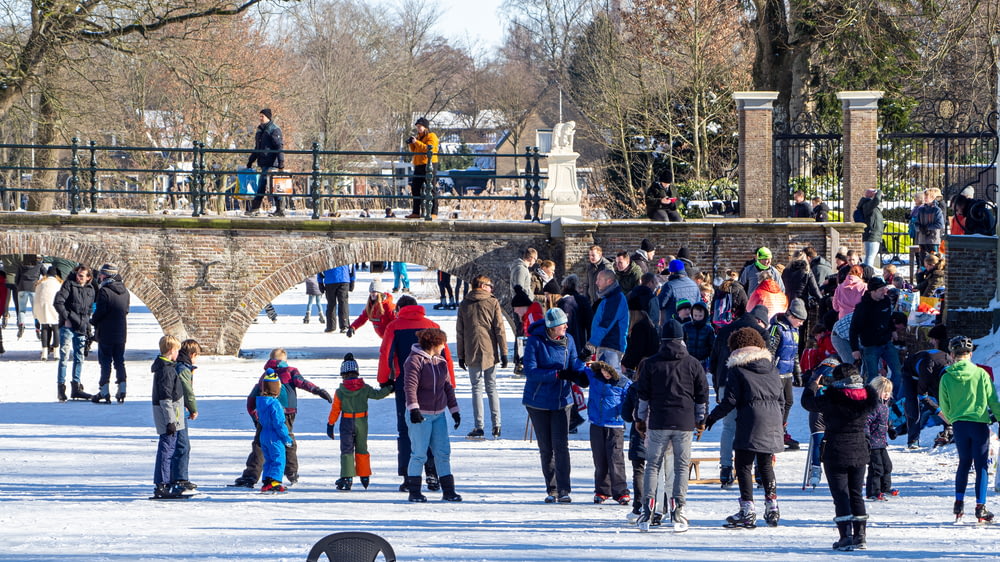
x,y
609,328
337,283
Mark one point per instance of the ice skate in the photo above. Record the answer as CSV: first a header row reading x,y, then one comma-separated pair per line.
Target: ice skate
x,y
771,513
77,393
645,516
983,515
745,518
815,474
344,484
959,511
680,519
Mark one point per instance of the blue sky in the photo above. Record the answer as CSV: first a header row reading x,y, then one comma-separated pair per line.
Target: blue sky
x,y
475,20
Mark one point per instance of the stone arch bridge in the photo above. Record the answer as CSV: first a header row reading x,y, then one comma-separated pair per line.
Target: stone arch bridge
x,y
207,278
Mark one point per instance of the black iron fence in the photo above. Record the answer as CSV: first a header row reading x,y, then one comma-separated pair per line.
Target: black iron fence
x,y
812,163
91,177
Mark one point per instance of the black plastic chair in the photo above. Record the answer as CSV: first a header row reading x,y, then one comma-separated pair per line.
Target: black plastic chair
x,y
352,547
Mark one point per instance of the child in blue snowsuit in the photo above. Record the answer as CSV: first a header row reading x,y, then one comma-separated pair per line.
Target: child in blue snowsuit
x,y
273,432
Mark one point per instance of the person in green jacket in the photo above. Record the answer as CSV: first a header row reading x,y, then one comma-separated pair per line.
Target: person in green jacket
x,y
967,398
350,403
186,359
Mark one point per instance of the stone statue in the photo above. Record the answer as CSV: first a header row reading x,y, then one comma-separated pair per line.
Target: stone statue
x,y
562,137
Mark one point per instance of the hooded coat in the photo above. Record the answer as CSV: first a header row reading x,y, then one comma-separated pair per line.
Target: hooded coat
x,y
427,383
542,361
673,391
757,394
110,326
398,339
479,332
799,282
769,294
848,295
45,296
168,395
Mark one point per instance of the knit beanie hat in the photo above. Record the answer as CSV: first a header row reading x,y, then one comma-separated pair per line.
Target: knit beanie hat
x,y
349,368
671,330
876,283
847,375
647,246
375,286
271,384
520,298
676,266
761,313
555,317
266,112
109,270
552,288
746,337
763,253
682,304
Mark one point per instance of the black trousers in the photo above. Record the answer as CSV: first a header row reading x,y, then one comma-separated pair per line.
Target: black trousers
x,y
444,285
336,301
845,487
789,398
912,408
263,186
419,182
255,462
403,441
879,479
638,468
744,473
607,445
109,354
552,431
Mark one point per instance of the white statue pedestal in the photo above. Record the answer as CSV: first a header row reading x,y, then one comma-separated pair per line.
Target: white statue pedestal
x,y
561,192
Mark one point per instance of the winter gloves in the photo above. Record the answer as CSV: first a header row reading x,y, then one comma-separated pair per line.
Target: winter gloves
x,y
503,361
589,351
458,419
461,363
350,332
416,416
324,395
329,431
171,428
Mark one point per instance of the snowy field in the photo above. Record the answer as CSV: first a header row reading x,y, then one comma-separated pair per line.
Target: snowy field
x,y
75,477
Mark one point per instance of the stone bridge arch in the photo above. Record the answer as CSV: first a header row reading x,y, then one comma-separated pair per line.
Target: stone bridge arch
x,y
94,254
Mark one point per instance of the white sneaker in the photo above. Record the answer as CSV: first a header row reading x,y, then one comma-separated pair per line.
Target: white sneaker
x,y
44,355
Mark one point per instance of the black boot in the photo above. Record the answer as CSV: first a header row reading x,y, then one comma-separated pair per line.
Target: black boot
x,y
448,489
77,392
844,527
860,527
413,485
62,393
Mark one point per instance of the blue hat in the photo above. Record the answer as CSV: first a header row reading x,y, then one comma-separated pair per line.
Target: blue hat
x,y
555,317
676,266
349,365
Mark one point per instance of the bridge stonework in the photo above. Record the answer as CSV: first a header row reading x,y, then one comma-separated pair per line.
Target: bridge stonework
x,y
208,278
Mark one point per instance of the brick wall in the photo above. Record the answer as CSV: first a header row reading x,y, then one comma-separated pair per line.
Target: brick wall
x,y
756,146
860,145
971,282
208,278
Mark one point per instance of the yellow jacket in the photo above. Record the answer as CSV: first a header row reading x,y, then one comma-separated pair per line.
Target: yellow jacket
x,y
419,148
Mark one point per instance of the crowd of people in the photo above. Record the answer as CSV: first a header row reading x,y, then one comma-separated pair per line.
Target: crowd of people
x,y
649,339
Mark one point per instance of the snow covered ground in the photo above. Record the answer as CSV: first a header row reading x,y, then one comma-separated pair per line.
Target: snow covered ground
x,y
75,477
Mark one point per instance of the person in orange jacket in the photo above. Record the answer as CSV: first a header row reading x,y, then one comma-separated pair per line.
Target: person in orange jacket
x,y
379,309
398,339
418,145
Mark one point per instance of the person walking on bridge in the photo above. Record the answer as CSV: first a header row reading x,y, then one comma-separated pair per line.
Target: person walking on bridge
x,y
267,152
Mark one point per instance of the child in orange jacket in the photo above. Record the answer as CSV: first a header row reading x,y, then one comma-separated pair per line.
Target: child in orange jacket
x,y
350,402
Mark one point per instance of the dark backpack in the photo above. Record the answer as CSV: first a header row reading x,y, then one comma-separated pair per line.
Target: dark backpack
x,y
980,217
722,311
859,215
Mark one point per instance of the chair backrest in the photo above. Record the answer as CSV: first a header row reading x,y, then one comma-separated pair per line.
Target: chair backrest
x,y
351,547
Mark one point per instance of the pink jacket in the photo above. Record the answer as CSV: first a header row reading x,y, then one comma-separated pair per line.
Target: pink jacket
x,y
848,295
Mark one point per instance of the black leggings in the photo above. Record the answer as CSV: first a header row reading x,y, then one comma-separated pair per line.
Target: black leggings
x,y
879,479
444,285
789,399
744,473
845,487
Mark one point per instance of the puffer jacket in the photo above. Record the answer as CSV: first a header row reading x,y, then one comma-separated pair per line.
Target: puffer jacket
x,y
877,426
427,384
845,413
848,295
398,339
783,343
769,294
604,402
312,285
419,148
672,389
480,330
756,392
109,321
379,314
700,338
73,303
267,139
168,395
543,358
610,325
799,282
27,276
339,274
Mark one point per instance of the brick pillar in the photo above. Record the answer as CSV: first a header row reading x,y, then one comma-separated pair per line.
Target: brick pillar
x,y
860,146
756,145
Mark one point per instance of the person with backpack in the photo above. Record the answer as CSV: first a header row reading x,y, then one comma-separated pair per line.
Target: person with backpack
x,y
972,216
728,303
869,211
930,225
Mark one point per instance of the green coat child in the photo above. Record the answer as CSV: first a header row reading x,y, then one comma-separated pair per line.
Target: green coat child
x,y
351,403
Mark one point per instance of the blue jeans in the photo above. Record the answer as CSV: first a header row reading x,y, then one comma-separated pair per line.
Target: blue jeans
x,y
182,453
70,342
871,253
314,300
164,453
871,354
972,440
23,298
400,276
433,433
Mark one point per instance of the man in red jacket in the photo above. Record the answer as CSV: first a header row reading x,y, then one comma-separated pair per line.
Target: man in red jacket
x,y
399,337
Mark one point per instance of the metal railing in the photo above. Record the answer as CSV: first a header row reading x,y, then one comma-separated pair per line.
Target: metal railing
x,y
148,177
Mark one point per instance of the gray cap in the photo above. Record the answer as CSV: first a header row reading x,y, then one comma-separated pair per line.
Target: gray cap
x,y
798,309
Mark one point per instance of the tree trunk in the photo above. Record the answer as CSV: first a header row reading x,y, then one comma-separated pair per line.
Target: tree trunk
x,y
43,178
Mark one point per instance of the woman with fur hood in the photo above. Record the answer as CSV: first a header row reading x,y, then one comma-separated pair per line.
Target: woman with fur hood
x,y
756,392
845,404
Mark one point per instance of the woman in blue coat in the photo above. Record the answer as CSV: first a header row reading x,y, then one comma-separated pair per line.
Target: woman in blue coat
x,y
550,365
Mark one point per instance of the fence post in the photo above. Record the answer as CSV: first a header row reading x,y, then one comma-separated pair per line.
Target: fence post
x,y
536,185
74,178
202,181
429,195
527,183
314,189
193,183
93,176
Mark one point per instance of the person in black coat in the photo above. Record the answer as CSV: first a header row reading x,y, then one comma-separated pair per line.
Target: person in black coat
x,y
661,202
845,405
73,303
110,329
28,273
579,314
267,152
799,281
756,392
